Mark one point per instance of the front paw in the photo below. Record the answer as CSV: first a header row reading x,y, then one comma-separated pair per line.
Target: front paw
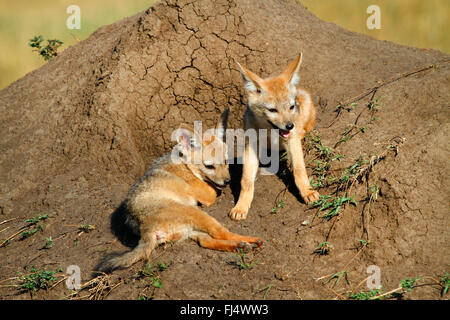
x,y
310,196
238,213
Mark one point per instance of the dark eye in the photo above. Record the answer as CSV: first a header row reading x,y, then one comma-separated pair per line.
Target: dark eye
x,y
209,166
292,107
273,110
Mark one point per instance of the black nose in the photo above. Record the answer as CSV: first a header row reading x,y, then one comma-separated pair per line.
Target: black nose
x,y
290,126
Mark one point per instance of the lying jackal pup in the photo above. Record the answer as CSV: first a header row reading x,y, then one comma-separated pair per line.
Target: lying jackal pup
x,y
276,103
163,203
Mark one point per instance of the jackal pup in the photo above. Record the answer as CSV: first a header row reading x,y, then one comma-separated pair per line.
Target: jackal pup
x,y
163,204
276,103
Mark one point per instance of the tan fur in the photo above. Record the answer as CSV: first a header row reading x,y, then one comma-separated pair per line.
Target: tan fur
x,y
164,203
278,94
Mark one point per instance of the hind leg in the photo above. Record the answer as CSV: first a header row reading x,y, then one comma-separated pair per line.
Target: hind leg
x,y
204,222
206,241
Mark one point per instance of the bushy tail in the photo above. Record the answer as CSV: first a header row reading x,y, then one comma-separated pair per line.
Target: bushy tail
x,y
125,260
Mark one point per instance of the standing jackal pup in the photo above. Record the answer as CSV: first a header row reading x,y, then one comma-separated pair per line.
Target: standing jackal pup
x,y
163,203
276,103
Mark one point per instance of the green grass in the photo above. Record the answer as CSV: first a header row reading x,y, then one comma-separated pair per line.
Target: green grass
x,y
350,172
362,295
36,219
48,243
86,227
408,284
332,206
444,281
244,263
30,232
38,279
338,276
266,290
325,153
323,248
33,222
323,158
279,205
151,274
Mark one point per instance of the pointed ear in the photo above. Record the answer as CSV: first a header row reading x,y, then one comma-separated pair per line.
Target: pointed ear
x,y
221,126
252,82
186,138
291,73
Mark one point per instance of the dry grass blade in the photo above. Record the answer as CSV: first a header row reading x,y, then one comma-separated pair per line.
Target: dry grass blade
x,y
6,241
368,167
4,229
98,288
330,276
6,221
385,83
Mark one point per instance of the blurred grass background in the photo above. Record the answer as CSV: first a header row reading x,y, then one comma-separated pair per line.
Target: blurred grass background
x,y
21,20
419,23
416,23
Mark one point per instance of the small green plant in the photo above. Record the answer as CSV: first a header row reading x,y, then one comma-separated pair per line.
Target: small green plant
x,y
86,227
323,152
444,281
374,191
38,279
338,276
26,231
323,248
321,172
363,242
161,266
351,131
284,164
351,171
348,107
324,156
371,295
242,263
279,205
30,232
152,273
408,284
47,52
333,206
375,105
34,220
266,290
48,243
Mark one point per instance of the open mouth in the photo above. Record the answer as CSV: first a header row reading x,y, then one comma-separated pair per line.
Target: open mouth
x,y
283,133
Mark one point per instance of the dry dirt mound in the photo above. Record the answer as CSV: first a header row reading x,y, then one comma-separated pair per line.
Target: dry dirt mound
x,y
76,133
